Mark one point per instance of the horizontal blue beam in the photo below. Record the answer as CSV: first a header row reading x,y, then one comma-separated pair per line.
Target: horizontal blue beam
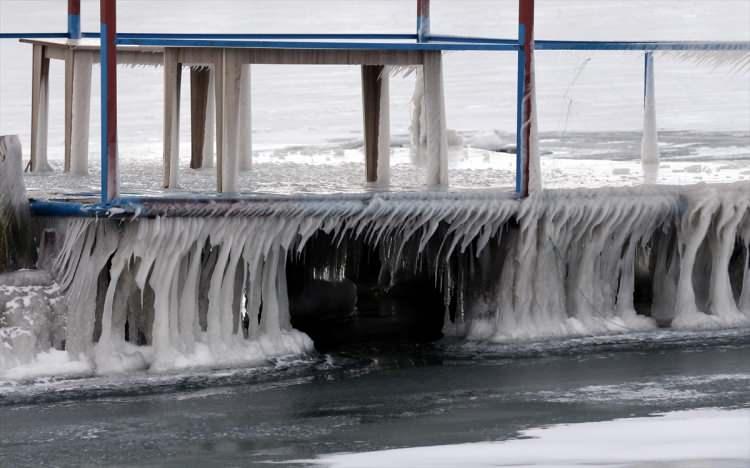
x,y
643,46
281,36
469,39
314,45
58,208
116,209
52,35
436,42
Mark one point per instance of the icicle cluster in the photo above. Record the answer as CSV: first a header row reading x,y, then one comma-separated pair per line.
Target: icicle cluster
x,y
558,263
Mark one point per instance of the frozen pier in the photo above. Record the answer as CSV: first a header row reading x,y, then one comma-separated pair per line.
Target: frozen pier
x,y
167,281
214,283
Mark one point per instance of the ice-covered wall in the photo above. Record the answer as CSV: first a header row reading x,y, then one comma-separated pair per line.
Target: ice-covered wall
x,y
211,289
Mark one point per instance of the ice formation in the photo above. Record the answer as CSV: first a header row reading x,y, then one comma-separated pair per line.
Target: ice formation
x,y
32,317
209,288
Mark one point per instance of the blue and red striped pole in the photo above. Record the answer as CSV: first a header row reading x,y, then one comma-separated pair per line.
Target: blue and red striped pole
x,y
524,101
423,20
74,19
108,60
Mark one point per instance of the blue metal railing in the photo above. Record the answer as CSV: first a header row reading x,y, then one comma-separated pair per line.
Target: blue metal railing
x,y
421,40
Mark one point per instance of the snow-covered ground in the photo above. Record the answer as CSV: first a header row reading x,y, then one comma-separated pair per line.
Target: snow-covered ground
x,y
699,438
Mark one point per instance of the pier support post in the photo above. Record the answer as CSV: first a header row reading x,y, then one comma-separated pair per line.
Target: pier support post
x,y
650,138
218,74
245,120
78,69
172,82
39,109
228,162
200,95
437,140
375,110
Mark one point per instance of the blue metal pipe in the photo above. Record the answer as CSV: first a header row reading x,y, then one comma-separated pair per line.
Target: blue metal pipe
x,y
51,35
280,36
619,45
316,45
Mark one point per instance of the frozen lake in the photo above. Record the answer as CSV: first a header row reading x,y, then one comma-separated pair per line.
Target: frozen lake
x,y
375,397
307,139
307,125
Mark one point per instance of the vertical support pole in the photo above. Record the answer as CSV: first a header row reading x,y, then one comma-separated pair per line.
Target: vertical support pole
x,y
423,20
246,119
218,74
172,85
525,102
78,66
437,139
39,109
200,79
650,138
371,99
230,164
108,60
74,19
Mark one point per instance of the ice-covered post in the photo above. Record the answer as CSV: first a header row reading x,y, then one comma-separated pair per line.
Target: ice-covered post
x,y
376,116
423,20
650,139
108,60
74,19
15,222
525,97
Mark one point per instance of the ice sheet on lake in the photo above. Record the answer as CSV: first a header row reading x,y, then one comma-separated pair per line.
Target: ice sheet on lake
x,y
703,437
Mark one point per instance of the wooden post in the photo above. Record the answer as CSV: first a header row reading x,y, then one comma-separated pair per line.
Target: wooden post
x,y
437,140
525,109
78,68
218,74
376,122
423,20
232,68
74,19
39,109
200,79
108,60
172,82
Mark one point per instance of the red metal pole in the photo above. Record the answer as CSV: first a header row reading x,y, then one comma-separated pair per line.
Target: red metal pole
x,y
526,18
108,55
74,19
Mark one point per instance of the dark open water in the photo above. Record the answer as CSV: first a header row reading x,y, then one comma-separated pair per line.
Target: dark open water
x,y
366,398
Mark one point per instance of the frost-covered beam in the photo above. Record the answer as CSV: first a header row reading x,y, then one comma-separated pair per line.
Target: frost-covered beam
x,y
39,109
376,114
435,125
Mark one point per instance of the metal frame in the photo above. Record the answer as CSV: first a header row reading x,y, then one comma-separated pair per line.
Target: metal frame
x,y
421,40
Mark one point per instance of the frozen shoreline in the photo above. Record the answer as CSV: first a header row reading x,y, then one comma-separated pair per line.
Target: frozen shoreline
x,y
700,438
